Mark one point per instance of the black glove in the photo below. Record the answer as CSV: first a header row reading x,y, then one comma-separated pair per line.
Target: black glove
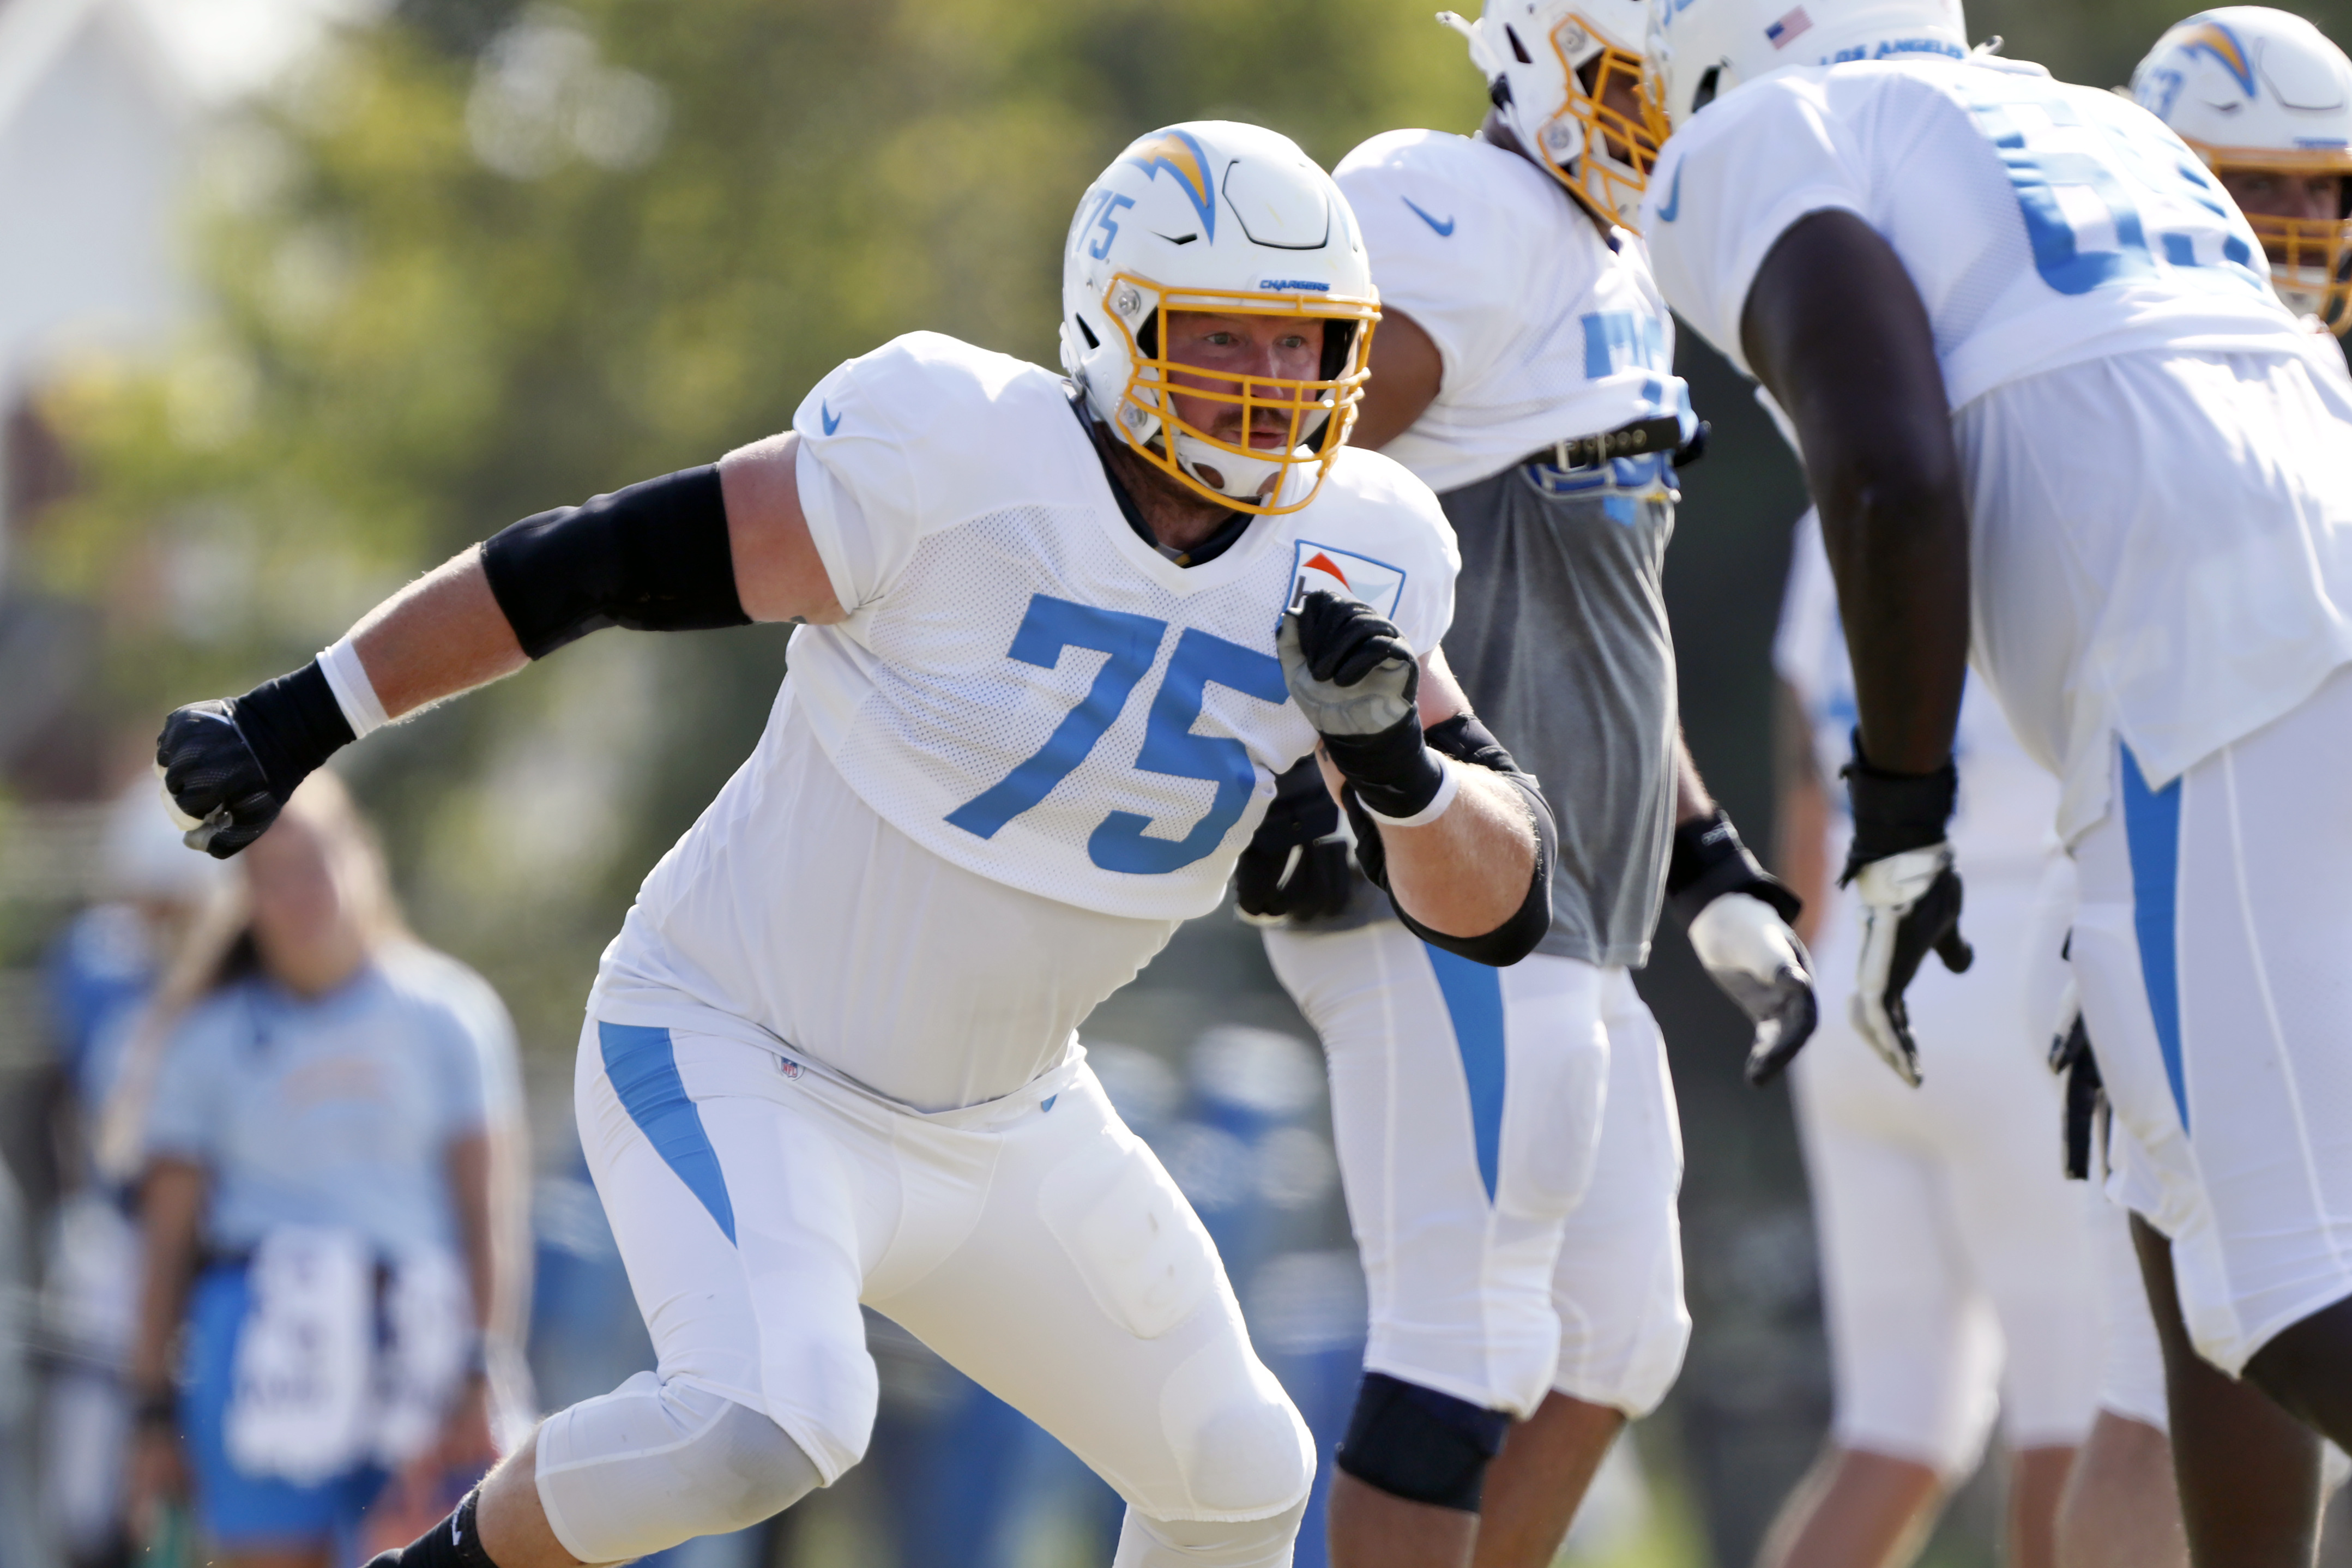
x,y
1295,868
1901,867
1352,674
231,764
1738,914
2071,1057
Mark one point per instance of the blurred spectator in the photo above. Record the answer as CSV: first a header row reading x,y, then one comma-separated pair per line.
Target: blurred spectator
x,y
323,1116
18,1546
99,974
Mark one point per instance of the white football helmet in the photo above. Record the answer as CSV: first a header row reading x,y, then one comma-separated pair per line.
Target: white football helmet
x,y
1549,65
1234,219
2262,91
1700,49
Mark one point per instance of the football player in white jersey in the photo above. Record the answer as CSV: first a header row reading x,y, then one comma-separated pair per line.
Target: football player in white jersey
x,y
1508,1138
1957,1259
2265,99
1055,642
2056,421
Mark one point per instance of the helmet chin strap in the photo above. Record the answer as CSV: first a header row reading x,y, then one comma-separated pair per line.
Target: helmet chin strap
x,y
1239,478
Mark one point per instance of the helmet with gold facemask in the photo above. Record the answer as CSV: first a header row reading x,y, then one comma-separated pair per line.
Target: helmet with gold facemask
x,y
1231,220
2265,98
1565,76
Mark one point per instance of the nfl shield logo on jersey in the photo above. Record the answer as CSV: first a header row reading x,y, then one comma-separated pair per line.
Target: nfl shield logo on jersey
x,y
1315,566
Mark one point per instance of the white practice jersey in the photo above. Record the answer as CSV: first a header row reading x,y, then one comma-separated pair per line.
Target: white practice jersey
x,y
2043,224
1025,691
2003,828
1547,332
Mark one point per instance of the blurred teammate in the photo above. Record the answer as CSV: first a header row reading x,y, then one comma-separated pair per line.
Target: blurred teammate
x,y
320,1171
1508,1139
2265,99
1036,704
2081,400
1956,1258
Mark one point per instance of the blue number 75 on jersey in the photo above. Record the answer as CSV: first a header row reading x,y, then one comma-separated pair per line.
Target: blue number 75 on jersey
x,y
1128,643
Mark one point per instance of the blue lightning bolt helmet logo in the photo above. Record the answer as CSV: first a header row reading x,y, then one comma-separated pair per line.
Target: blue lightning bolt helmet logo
x,y
1176,152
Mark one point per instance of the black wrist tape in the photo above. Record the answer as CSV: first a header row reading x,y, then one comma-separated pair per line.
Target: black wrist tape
x,y
654,557
293,724
1394,773
1894,811
1709,860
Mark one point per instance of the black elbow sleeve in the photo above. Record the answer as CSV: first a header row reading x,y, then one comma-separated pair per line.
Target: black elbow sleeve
x,y
654,557
1465,740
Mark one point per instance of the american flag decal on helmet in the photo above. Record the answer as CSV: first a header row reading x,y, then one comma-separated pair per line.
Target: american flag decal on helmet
x,y
1786,31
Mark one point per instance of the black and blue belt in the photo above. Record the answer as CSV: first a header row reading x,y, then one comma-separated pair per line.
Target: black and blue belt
x,y
1642,437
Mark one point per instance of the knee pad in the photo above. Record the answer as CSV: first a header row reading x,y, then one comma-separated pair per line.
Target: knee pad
x,y
653,1464
1145,1542
1419,1445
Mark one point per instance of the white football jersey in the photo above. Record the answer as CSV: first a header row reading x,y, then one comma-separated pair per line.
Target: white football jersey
x,y
1025,690
1547,332
2043,224
2003,828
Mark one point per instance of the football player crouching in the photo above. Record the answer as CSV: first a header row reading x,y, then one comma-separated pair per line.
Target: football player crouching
x,y
1055,644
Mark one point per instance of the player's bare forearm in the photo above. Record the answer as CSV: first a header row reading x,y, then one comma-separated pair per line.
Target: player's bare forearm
x,y
1800,816
442,635
1835,328
1408,373
1691,800
1466,873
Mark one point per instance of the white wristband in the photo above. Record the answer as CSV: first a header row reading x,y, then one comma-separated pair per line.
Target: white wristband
x,y
354,693
1446,790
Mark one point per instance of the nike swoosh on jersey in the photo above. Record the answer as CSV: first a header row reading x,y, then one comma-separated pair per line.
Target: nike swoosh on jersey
x,y
832,420
1444,230
1672,209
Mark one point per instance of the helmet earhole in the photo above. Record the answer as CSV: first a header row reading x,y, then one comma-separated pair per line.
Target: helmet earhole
x,y
1338,336
1518,47
1086,332
1705,93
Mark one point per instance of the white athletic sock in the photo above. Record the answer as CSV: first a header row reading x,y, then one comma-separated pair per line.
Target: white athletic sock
x,y
1191,1544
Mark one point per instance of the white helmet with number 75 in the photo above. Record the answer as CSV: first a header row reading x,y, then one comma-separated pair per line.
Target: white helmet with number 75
x,y
1700,49
1229,220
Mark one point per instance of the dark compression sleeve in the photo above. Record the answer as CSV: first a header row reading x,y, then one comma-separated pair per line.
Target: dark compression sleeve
x,y
652,558
1465,740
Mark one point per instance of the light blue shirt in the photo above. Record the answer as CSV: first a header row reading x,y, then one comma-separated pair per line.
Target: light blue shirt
x,y
337,1110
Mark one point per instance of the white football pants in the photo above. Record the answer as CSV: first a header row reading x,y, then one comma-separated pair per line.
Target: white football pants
x,y
1956,1270
1032,1241
1508,1146
2212,949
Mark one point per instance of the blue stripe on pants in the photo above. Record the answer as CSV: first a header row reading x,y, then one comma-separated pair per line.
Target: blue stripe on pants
x,y
2152,829
644,1070
1474,1001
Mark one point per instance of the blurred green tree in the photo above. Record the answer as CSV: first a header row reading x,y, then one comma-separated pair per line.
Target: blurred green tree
x,y
479,260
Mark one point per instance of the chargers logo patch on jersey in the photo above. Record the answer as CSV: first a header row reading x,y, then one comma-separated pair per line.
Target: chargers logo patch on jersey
x,y
1333,571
